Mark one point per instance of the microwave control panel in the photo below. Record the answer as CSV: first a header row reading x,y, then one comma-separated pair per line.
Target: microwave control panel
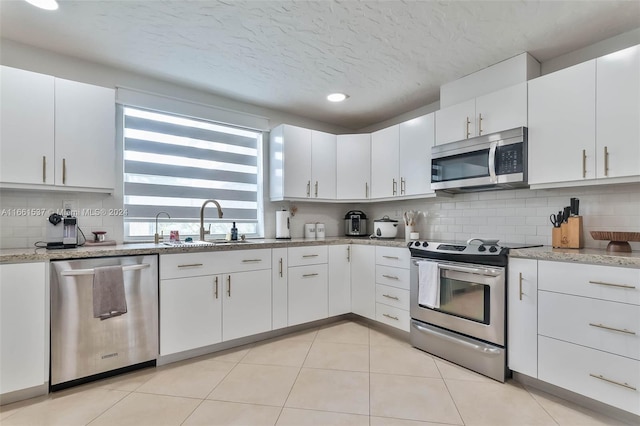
x,y
509,159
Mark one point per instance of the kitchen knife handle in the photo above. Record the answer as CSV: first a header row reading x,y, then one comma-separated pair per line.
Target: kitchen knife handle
x,y
520,279
606,161
64,171
468,123
479,124
584,163
44,169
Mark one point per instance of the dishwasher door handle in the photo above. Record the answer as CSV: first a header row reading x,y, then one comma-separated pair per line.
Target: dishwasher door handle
x,y
74,272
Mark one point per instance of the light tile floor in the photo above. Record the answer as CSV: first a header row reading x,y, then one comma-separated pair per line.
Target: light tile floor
x,y
341,374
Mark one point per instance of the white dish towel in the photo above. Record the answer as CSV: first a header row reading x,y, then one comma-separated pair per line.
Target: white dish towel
x,y
428,284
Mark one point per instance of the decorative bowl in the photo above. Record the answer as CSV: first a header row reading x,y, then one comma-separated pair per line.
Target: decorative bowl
x,y
618,241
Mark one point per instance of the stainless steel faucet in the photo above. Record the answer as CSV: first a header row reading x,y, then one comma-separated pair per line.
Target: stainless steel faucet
x,y
156,238
202,233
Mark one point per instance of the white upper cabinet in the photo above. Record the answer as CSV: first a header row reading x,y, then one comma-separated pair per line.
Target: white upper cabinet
x,y
26,127
353,163
416,140
562,125
56,132
302,163
385,157
85,135
500,110
618,114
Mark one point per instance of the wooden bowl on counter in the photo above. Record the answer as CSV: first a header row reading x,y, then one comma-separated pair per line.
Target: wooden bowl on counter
x,y
618,241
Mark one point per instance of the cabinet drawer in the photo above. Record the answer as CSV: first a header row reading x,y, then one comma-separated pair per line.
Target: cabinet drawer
x,y
313,255
242,260
395,317
395,277
392,296
573,367
600,282
393,256
187,265
609,326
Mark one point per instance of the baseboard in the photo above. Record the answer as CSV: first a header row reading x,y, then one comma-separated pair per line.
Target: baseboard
x,y
19,395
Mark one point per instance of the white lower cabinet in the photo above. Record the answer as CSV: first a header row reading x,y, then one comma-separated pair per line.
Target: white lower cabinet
x,y
23,326
246,306
339,280
392,286
522,316
363,281
308,293
191,313
394,317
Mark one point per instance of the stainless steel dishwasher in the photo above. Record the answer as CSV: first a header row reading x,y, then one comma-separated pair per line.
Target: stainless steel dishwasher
x,y
85,348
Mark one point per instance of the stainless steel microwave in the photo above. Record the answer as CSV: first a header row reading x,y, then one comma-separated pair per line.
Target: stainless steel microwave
x,y
492,161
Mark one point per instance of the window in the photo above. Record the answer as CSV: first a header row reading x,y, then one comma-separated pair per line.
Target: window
x,y
173,164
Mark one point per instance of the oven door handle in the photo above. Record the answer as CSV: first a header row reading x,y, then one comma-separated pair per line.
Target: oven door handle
x,y
492,162
458,340
477,271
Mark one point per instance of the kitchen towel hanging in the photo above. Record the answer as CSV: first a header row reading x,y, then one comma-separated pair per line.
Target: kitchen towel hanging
x,y
108,292
428,284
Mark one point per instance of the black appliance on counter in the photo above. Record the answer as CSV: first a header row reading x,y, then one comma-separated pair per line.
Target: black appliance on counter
x,y
355,223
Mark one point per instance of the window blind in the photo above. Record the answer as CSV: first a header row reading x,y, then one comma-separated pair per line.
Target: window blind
x,y
173,164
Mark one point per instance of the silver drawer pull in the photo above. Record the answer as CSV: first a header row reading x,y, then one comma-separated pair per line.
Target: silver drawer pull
x,y
621,330
390,316
190,265
624,385
391,257
309,255
309,275
391,277
251,260
390,297
612,285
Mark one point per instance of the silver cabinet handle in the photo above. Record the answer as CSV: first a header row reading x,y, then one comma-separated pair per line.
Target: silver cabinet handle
x,y
366,190
612,285
316,189
391,257
190,265
621,330
395,187
216,291
64,171
391,317
520,278
251,260
391,277
309,275
584,163
348,253
44,169
606,161
308,188
479,124
280,267
403,186
229,285
390,297
468,133
601,377
309,255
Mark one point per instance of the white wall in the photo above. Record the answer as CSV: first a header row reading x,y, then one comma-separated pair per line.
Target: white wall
x,y
518,216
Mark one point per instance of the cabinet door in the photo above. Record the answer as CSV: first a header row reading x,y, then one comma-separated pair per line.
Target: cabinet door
x,y
247,304
26,127
363,281
353,166
190,313
522,321
279,287
385,157
456,122
297,162
22,326
502,110
308,293
416,140
84,134
339,280
562,125
323,165
618,114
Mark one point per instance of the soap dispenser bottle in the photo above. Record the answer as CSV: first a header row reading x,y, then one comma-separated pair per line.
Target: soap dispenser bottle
x,y
234,232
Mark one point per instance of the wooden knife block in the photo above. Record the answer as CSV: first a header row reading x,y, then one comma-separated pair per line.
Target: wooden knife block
x,y
569,234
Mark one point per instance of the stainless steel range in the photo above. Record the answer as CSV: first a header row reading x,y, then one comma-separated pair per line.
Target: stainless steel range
x,y
458,302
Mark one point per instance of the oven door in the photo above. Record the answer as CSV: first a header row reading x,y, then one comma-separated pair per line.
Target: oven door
x,y
472,300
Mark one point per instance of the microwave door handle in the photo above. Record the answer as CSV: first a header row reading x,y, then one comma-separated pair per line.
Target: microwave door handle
x,y
492,162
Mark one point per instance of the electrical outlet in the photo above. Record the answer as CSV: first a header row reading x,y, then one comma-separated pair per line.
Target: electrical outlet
x,y
70,205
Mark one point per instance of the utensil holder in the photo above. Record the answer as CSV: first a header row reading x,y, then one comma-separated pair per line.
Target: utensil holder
x,y
569,234
408,230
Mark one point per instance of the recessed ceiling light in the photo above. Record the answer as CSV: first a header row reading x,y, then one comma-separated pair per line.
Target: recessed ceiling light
x,y
44,4
337,97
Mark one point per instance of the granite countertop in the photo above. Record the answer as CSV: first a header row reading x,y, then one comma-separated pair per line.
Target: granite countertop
x,y
134,249
591,256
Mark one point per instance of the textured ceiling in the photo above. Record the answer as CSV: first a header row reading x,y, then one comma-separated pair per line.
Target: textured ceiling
x,y
390,57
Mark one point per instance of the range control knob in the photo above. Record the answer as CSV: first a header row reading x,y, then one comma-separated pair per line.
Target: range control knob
x,y
482,248
424,244
417,244
493,249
